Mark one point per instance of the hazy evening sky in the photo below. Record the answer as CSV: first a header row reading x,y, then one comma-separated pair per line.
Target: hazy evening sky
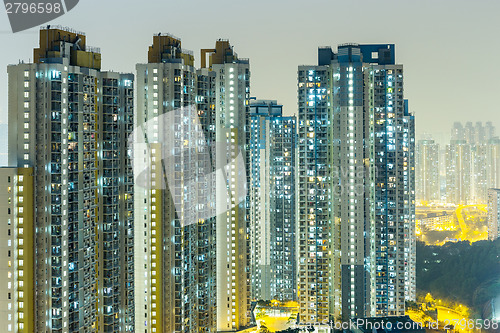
x,y
450,49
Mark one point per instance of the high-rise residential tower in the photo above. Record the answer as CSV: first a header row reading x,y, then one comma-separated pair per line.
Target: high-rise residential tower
x,y
191,205
69,121
493,213
232,109
272,194
175,223
313,237
427,184
356,185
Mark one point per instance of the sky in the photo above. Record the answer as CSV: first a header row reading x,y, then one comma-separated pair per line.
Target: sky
x,y
449,48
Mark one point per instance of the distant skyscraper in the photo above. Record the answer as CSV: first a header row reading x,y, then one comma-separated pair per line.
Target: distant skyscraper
x,y
69,121
427,183
193,126
486,168
479,133
458,172
489,131
480,170
473,134
472,163
356,185
457,132
493,163
272,193
493,213
469,133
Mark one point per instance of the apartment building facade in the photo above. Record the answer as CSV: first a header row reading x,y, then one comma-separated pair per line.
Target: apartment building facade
x,y
427,177
190,148
493,214
68,121
356,195
272,194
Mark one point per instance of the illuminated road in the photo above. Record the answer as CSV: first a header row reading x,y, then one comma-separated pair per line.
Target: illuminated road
x,y
467,228
450,316
447,313
465,233
460,218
